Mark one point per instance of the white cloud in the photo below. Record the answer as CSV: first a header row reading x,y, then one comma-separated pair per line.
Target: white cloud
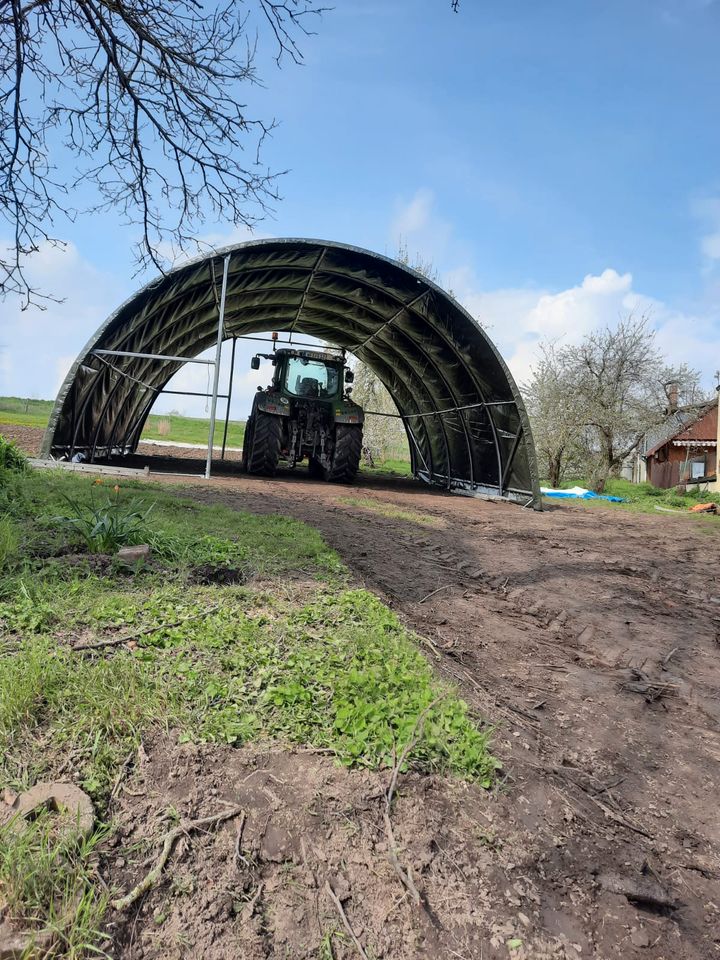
x,y
412,216
39,346
417,226
710,246
518,319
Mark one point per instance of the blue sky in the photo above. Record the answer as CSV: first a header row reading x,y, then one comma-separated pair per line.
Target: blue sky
x,y
558,161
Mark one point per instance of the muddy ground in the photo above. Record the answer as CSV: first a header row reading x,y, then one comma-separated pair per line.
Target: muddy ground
x,y
591,636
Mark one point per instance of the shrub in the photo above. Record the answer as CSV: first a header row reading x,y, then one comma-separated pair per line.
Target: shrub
x,y
11,457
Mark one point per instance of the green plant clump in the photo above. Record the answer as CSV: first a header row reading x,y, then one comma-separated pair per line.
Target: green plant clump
x,y
47,881
109,523
11,457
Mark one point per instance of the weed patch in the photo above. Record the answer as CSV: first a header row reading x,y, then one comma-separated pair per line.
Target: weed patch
x,y
47,874
107,524
11,457
390,510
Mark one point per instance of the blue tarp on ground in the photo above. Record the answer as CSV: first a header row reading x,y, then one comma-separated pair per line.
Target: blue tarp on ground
x,y
579,493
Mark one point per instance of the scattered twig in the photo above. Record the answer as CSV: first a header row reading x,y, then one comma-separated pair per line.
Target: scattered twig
x,y
404,875
413,739
432,593
238,840
123,770
431,644
345,921
116,641
132,793
650,688
607,787
249,907
666,660
152,877
608,811
704,871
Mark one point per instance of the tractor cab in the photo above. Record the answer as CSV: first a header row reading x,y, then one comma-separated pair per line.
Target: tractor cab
x,y
315,375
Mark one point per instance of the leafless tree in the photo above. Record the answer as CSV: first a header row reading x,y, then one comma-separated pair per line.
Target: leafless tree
x,y
383,436
556,421
418,263
593,403
144,99
145,96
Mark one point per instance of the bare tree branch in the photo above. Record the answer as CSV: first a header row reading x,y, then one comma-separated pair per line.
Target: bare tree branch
x,y
144,96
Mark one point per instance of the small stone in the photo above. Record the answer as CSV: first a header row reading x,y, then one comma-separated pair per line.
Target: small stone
x,y
15,944
134,556
63,797
639,937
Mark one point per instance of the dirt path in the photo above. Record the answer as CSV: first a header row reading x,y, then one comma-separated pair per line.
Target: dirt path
x,y
592,637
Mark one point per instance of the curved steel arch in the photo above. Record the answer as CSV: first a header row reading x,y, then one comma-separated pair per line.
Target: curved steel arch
x,y
455,393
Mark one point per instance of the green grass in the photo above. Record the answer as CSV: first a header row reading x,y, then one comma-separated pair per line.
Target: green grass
x,y
25,412
645,498
170,427
292,652
400,468
38,420
391,510
50,874
329,665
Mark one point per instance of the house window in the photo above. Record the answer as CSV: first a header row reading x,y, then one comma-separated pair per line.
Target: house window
x,y
697,468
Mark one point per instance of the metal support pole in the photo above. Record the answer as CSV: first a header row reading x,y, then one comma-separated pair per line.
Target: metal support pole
x,y
148,356
216,377
229,397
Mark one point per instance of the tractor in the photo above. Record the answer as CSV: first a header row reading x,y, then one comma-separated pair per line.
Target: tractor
x,y
305,412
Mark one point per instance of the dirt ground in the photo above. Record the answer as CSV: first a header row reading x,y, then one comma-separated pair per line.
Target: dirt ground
x,y
591,636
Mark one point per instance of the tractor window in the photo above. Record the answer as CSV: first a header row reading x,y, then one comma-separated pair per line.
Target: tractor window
x,y
310,378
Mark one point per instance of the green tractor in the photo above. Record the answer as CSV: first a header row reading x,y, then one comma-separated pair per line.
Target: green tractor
x,y
305,412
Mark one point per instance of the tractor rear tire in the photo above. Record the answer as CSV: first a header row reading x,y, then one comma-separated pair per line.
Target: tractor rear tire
x,y
247,441
346,456
263,449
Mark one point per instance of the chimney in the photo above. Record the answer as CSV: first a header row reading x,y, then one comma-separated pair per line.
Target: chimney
x,y
672,395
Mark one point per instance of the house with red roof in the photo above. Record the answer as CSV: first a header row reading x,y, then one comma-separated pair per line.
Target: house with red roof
x,y
688,453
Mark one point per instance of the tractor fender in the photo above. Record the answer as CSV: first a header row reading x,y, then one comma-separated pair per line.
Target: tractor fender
x,y
346,412
272,402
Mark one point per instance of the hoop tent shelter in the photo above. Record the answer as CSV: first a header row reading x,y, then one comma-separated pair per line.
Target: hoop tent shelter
x,y
466,424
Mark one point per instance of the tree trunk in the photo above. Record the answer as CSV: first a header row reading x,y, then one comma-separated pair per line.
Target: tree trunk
x,y
606,462
554,470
